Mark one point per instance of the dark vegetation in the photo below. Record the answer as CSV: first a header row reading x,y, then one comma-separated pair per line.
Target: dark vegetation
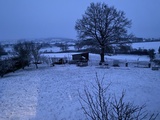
x,y
63,46
2,51
10,65
24,54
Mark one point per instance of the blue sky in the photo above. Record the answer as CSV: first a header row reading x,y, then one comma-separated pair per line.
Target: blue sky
x,y
56,18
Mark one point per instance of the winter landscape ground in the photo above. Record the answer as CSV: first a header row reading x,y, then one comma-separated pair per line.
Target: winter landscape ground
x,y
51,93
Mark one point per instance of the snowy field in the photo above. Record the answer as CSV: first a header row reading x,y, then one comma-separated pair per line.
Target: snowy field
x,y
55,49
147,45
51,93
51,49
143,45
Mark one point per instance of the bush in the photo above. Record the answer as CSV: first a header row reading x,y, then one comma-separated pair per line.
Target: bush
x,y
3,67
9,65
97,105
151,53
23,52
2,51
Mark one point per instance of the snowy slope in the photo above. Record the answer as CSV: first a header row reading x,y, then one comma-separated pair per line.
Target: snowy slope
x,y
51,93
147,45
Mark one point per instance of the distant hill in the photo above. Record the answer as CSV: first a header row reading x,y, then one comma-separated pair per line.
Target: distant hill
x,y
48,40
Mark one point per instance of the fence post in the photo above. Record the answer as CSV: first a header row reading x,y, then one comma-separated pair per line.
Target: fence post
x,y
149,65
126,64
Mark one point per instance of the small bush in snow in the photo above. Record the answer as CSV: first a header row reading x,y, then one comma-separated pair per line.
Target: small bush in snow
x,y
98,105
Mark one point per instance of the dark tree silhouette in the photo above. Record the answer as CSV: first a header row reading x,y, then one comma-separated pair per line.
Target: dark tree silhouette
x,y
151,53
103,24
35,47
23,51
63,46
79,45
2,51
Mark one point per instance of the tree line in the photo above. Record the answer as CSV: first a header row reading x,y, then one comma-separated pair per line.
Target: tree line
x,y
23,54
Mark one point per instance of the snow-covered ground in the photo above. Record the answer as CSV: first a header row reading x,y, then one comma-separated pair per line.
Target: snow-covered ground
x,y
147,45
61,55
129,57
8,49
55,49
142,45
51,93
50,49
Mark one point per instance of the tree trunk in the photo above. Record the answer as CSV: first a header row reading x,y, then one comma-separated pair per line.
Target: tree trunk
x,y
36,65
102,54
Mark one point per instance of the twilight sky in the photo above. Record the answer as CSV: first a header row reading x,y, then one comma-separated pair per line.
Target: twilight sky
x,y
56,18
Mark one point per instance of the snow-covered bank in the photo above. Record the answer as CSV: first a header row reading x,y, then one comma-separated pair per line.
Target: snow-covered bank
x,y
147,45
51,93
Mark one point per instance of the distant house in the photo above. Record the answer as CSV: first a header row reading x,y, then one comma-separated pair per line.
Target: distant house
x,y
80,56
81,59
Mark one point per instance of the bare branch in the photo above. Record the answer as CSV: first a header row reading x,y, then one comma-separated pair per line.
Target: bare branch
x,y
98,105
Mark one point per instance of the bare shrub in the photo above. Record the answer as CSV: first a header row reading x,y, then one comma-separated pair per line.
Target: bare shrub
x,y
23,52
35,52
100,105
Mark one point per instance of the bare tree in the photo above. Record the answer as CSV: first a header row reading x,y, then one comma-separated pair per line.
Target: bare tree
x,y
35,47
98,104
63,46
23,51
151,53
103,24
78,45
3,67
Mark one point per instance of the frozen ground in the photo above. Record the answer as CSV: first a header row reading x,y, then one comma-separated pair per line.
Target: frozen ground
x,y
55,49
147,45
51,93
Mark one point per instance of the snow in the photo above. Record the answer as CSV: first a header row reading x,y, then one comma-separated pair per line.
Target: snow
x,y
147,45
55,49
50,49
143,45
51,93
59,55
8,49
129,57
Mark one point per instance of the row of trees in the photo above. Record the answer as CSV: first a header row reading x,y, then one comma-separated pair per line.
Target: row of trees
x,y
2,51
62,46
23,54
27,51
